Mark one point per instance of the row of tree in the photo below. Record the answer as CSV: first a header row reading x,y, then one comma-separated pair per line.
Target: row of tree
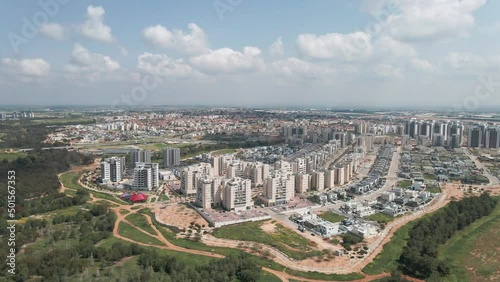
x,y
56,262
36,182
420,256
232,268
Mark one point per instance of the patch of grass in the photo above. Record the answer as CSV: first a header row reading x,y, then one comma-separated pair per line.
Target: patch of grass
x,y
140,221
473,252
433,189
126,230
223,152
108,242
12,156
264,262
386,261
322,276
284,239
64,121
70,180
122,211
103,202
404,184
331,217
109,197
163,197
268,277
380,218
430,177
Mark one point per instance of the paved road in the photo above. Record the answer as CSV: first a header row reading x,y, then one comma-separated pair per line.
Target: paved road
x,y
493,180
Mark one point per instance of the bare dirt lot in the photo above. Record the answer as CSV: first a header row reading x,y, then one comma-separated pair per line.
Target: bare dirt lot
x,y
179,215
268,227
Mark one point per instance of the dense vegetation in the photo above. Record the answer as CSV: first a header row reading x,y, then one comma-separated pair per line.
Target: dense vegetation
x,y
349,239
54,262
168,268
36,182
23,134
420,256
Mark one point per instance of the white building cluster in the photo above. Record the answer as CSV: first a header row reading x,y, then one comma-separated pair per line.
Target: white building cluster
x,y
228,181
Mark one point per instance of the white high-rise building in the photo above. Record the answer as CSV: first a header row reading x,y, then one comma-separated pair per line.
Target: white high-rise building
x,y
238,194
256,171
146,176
191,174
139,156
279,189
329,178
318,180
171,157
209,192
339,175
111,169
302,182
300,166
204,194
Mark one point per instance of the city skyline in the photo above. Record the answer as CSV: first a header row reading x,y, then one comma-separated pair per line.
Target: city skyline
x,y
242,53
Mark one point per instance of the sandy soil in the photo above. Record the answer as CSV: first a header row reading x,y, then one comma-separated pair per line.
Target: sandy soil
x,y
268,227
179,215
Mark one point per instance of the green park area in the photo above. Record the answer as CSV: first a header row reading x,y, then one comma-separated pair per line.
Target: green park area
x,y
282,238
12,156
140,221
128,231
473,252
380,218
404,184
331,217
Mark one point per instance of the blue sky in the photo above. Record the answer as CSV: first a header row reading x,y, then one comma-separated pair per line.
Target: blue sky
x,y
380,53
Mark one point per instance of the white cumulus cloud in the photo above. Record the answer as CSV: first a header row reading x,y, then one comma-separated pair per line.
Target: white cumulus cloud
x,y
52,30
415,20
277,49
464,61
297,67
350,46
82,60
226,60
161,64
422,65
193,42
94,27
27,67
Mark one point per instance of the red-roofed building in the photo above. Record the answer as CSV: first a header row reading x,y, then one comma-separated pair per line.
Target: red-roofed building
x,y
138,198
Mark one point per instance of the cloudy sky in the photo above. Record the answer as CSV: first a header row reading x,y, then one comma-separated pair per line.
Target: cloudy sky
x,y
374,53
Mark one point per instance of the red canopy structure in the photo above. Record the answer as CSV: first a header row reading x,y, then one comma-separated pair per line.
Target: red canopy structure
x,y
138,198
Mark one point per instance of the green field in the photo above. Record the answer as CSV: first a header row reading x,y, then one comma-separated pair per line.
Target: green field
x,y
323,276
386,261
163,197
140,221
126,230
433,189
129,265
331,217
284,239
404,184
108,197
70,180
188,244
223,152
380,218
12,156
64,121
473,252
430,177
